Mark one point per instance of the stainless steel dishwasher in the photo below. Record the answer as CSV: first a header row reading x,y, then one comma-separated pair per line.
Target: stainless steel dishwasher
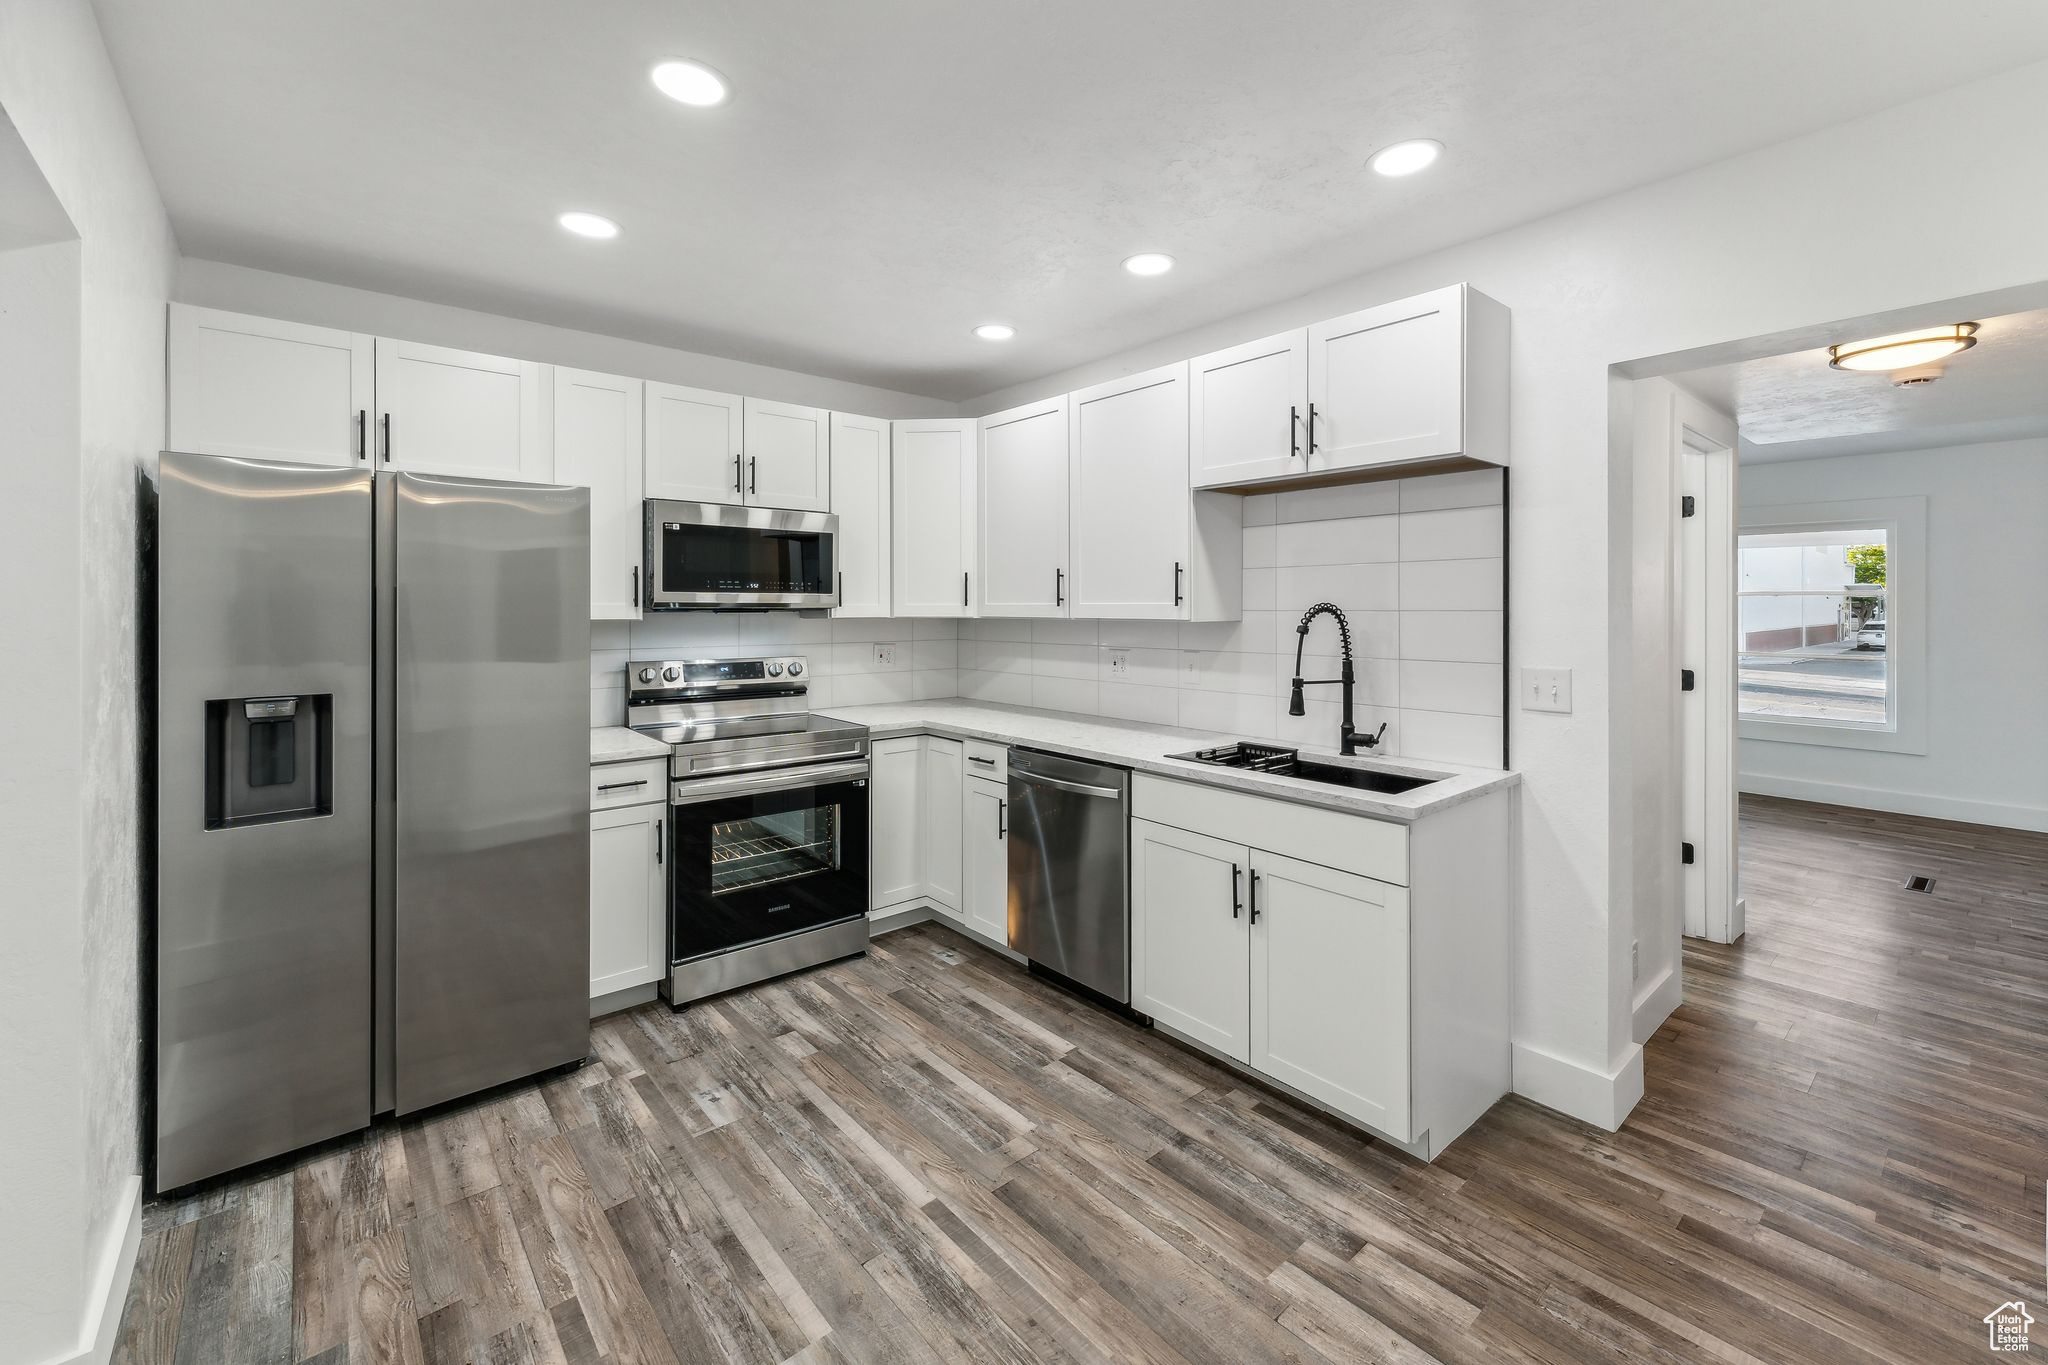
x,y
1069,869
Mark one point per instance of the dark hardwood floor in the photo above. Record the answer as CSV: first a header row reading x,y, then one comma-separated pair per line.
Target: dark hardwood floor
x,y
927,1155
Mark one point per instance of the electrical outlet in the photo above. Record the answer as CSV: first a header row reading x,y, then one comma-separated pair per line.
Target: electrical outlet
x,y
1546,689
1119,664
885,655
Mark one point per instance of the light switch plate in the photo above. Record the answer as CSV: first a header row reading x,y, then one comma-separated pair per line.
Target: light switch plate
x,y
1546,689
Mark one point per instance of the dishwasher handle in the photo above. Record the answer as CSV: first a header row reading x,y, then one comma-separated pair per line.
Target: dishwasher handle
x,y
1061,784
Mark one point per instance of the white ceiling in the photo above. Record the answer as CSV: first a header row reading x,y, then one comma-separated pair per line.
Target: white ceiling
x,y
1793,407
891,172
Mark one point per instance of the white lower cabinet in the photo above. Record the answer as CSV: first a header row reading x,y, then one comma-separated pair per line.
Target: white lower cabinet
x,y
1329,987
628,909
941,838
896,822
1190,940
985,857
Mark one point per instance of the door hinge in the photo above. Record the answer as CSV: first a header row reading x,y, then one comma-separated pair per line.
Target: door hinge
x,y
1685,854
1686,680
1687,506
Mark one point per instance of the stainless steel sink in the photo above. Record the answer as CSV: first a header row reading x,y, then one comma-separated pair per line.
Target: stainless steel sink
x,y
1269,758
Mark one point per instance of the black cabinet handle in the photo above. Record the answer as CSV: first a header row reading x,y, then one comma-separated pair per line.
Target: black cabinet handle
x,y
659,827
963,587
1255,895
636,587
362,433
1059,587
1236,891
1176,583
739,483
1002,816
1293,432
841,594
620,786
1311,428
385,423
751,489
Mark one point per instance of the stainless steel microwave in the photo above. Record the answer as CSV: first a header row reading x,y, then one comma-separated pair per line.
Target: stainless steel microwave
x,y
710,556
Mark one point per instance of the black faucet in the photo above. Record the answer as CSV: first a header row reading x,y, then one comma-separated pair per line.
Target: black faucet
x,y
1348,737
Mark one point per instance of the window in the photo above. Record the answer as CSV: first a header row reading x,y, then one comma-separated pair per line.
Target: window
x,y
1811,625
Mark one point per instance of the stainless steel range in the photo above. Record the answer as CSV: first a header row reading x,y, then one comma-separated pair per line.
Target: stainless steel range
x,y
768,820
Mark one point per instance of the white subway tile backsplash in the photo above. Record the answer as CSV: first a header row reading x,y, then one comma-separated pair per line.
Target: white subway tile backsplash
x,y
1452,738
1065,694
1452,585
1472,488
1349,540
1129,701
1452,636
1261,546
1258,589
1350,500
1353,587
1470,689
1139,634
1064,661
1058,632
607,706
932,655
1459,533
1262,509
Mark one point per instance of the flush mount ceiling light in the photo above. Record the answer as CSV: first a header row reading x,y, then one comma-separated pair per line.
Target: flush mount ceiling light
x,y
1406,158
1148,263
1905,350
995,331
691,83
589,225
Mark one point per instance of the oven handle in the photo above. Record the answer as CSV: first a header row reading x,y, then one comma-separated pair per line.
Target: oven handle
x,y
694,790
767,764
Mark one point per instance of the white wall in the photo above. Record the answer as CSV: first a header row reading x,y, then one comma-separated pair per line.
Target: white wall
x,y
1415,564
1749,247
58,90
241,290
1987,649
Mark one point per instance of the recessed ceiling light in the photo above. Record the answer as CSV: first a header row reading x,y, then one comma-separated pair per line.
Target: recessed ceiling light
x,y
589,225
691,83
995,331
1148,263
1904,350
1406,158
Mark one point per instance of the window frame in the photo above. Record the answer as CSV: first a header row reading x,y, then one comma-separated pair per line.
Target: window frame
x,y
1904,522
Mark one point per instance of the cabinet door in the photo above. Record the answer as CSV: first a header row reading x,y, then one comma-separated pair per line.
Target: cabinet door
x,y
441,411
942,797
693,444
1386,385
789,456
628,913
1246,410
267,390
1129,487
597,445
985,858
1330,988
1024,513
896,821
860,499
1188,935
933,524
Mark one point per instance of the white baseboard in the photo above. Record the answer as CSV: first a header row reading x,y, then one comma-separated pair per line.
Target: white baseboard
x,y
897,917
624,1000
1656,1004
1899,803
108,1293
1600,1098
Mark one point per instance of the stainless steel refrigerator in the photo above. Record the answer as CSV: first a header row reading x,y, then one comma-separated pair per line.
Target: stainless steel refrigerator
x,y
371,760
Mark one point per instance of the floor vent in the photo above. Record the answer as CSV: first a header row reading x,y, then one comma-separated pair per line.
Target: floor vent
x,y
1917,883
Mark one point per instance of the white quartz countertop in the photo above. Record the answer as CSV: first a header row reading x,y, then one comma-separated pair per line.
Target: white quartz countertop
x,y
617,744
1145,748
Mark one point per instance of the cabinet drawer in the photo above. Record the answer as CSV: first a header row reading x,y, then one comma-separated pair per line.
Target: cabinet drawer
x,y
628,784
1349,843
988,760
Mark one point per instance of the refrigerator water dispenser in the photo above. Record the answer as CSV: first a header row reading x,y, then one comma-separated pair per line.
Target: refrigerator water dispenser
x,y
269,759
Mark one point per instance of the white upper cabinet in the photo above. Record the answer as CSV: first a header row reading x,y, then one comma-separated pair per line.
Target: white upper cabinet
x,y
860,499
788,453
1330,987
265,389
1247,408
693,444
1024,515
1422,379
932,526
443,411
597,444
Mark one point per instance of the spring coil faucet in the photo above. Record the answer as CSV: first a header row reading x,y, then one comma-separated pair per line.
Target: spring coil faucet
x,y
1348,737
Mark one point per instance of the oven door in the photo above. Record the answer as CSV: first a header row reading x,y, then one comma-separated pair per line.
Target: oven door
x,y
784,853
707,554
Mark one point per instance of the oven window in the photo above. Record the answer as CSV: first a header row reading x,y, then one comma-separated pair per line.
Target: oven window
x,y
741,559
759,850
